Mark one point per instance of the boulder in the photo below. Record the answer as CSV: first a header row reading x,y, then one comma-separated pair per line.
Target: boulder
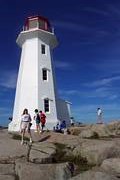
x,y
101,129
114,127
78,130
28,162
7,177
70,140
88,133
94,175
112,166
95,151
42,152
6,169
30,171
10,149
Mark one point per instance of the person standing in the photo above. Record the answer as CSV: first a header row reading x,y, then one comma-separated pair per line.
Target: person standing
x,y
42,119
37,120
99,116
25,125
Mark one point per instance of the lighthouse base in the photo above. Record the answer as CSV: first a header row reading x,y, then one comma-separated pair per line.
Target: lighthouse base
x,y
14,126
50,126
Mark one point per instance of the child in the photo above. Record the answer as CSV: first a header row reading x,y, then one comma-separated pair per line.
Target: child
x,y
37,120
42,119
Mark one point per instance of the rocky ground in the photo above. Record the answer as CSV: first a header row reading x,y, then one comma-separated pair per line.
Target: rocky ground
x,y
89,152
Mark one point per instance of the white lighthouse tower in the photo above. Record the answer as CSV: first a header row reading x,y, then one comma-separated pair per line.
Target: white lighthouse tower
x,y
36,79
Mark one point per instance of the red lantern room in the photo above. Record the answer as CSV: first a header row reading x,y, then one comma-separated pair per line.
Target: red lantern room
x,y
37,22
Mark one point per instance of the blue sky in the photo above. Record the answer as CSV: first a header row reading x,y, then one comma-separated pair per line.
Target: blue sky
x,y
87,59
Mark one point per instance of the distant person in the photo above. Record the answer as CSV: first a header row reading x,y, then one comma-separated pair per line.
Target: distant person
x,y
99,116
42,120
25,125
10,118
37,120
63,127
57,128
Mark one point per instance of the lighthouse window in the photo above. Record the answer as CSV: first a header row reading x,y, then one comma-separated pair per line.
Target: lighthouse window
x,y
33,23
46,105
44,72
43,48
41,24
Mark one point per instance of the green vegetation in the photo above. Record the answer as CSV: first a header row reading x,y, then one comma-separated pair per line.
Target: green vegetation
x,y
75,132
16,177
18,137
60,152
95,136
78,163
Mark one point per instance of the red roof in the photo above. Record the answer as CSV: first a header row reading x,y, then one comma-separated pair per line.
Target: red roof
x,y
36,17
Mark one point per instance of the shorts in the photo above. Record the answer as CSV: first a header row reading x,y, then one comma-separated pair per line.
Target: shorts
x,y
37,121
25,126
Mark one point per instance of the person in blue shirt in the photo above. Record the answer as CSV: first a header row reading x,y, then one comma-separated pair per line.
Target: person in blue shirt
x,y
63,125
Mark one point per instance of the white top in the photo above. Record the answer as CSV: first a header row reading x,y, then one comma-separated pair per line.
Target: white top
x,y
99,112
26,118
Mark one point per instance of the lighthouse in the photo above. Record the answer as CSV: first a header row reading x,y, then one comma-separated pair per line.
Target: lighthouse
x,y
36,85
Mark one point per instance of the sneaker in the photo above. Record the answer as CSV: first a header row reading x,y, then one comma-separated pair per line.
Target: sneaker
x,y
22,142
30,140
36,131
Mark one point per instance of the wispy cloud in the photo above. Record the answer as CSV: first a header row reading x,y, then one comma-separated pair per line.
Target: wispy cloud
x,y
4,111
88,35
87,113
103,92
114,96
97,11
70,25
102,82
69,92
63,65
91,108
8,79
108,65
74,26
80,27
114,10
86,108
100,92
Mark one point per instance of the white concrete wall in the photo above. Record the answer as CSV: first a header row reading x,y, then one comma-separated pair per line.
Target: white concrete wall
x,y
31,89
63,111
27,84
46,88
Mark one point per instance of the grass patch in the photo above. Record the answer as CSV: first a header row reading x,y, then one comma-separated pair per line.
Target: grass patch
x,y
18,137
60,152
16,177
60,146
75,132
95,136
77,163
